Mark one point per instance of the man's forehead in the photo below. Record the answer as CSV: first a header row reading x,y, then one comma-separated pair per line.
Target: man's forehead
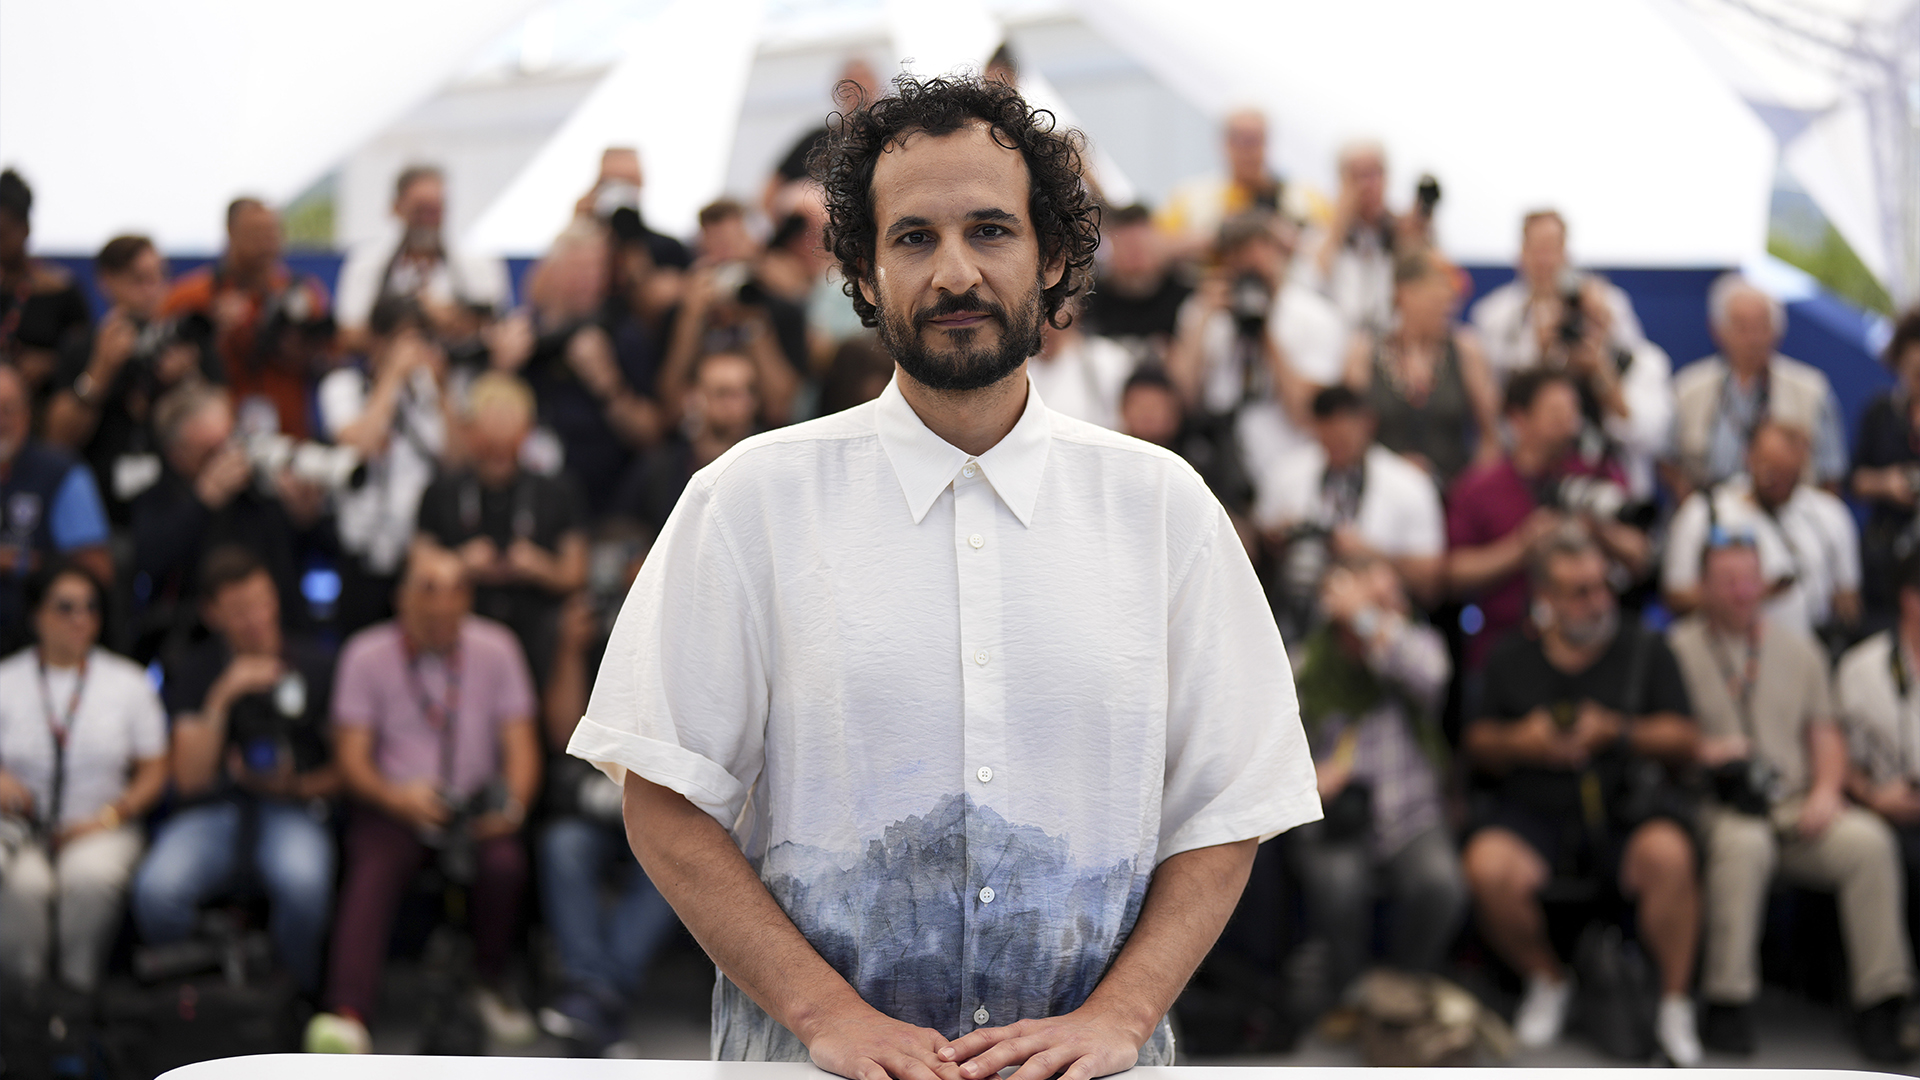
x,y
921,166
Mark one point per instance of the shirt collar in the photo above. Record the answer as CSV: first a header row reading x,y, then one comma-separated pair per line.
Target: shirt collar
x,y
925,463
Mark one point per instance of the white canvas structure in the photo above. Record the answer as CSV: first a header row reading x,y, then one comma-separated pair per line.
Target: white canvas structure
x,y
129,115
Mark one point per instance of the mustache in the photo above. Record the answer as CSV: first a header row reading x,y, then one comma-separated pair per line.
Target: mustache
x,y
967,302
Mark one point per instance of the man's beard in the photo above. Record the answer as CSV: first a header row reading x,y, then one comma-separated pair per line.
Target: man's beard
x,y
967,366
1590,632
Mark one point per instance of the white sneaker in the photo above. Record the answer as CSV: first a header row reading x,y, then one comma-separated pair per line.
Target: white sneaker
x,y
508,1022
331,1033
1675,1031
1542,1012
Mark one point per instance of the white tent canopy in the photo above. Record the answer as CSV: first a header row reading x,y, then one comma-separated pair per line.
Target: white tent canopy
x,y
1630,132
126,115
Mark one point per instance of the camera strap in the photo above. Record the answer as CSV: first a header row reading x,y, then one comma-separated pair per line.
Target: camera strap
x,y
1762,403
1897,660
443,716
59,731
1740,681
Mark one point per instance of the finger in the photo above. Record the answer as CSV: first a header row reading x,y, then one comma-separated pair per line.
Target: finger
x,y
1084,1069
1040,1064
1002,1054
966,1046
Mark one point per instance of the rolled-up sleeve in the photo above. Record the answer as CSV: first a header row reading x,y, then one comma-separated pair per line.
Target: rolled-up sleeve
x,y
682,695
1237,764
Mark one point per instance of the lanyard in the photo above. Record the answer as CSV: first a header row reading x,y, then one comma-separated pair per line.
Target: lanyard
x,y
440,715
1745,679
59,730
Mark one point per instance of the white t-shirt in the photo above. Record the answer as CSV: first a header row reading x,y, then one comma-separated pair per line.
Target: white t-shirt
x,y
1812,539
1504,318
1399,512
1313,339
118,721
954,710
460,278
1880,709
376,519
1084,379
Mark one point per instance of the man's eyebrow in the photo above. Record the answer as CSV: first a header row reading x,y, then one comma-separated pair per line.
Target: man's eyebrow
x,y
988,213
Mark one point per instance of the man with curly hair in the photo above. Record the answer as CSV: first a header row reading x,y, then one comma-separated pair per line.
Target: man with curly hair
x,y
949,724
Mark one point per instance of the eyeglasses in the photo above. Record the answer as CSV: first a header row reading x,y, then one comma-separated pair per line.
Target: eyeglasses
x,y
69,608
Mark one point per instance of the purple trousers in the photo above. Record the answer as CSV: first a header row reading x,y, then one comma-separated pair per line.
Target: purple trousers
x,y
381,857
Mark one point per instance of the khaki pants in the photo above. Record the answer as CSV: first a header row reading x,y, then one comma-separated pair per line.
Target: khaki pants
x,y
1856,857
88,880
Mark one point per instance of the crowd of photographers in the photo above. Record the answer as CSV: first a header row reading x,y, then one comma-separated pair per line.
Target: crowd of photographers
x,y
300,599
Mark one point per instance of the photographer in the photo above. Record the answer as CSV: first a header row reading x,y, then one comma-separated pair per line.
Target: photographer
x,y
520,535
396,414
1779,764
720,410
1808,544
1370,685
1886,471
1350,262
82,759
604,946
594,400
1554,315
456,290
1874,684
1354,497
49,509
251,760
726,309
211,492
271,328
111,378
1581,719
1253,347
433,720
42,308
1496,512
1426,377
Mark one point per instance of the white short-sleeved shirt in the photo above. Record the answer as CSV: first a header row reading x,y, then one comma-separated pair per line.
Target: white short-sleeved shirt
x,y
1812,538
1875,691
1399,512
955,710
460,278
118,721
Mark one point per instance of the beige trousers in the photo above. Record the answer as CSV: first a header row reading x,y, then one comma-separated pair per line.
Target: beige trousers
x,y
1856,857
88,880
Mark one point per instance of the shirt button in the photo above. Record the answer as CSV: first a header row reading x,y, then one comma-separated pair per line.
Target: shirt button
x,y
980,1015
969,472
986,895
985,774
977,540
980,658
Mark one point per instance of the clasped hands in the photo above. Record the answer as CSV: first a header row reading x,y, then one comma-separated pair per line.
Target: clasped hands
x,y
1079,1045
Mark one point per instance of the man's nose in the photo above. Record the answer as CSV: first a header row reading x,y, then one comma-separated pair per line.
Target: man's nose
x,y
955,269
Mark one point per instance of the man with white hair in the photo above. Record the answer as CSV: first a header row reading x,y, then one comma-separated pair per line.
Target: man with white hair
x,y
1350,261
1195,209
1720,400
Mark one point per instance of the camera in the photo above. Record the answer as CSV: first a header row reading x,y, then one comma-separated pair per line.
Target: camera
x,y
734,280
290,315
1426,195
1573,314
330,468
459,853
1599,498
1249,300
1751,786
263,725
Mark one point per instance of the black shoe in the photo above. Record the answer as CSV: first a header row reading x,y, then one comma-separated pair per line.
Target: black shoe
x,y
1886,1032
1727,1029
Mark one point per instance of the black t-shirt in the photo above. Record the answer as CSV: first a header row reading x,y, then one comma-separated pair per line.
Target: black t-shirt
x,y
289,720
125,429
596,457
1884,438
459,508
51,310
1111,314
173,530
1519,680
653,488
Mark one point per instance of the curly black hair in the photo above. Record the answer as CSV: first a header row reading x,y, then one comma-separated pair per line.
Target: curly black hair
x,y
1063,211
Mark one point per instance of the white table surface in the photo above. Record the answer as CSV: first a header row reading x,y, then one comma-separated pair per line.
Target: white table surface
x,y
376,1067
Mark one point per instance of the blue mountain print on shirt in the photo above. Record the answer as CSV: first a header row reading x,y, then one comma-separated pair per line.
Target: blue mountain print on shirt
x,y
907,928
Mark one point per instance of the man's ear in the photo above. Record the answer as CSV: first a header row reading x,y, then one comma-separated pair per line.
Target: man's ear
x,y
863,279
1053,269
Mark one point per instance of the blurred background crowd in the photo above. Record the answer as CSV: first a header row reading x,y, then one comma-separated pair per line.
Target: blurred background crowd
x,y
304,582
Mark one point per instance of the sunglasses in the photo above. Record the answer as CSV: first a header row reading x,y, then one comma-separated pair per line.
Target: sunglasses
x,y
1721,536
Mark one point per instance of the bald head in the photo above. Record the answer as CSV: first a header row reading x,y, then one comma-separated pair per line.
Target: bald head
x,y
1246,137
1776,458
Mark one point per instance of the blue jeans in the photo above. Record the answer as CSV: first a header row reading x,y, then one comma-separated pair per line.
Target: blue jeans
x,y
192,860
603,947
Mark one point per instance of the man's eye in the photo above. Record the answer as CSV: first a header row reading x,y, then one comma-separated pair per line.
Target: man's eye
x,y
993,230
914,238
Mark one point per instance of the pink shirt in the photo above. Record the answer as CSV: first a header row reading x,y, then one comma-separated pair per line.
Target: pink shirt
x,y
379,686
